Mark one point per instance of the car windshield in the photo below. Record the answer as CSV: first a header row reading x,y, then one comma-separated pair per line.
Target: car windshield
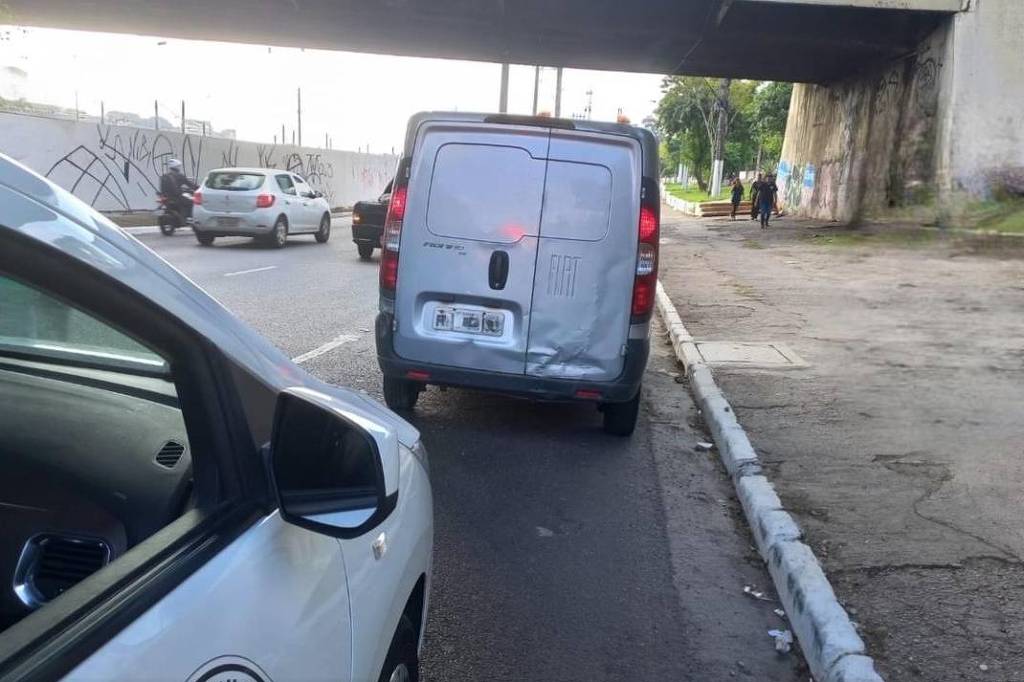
x,y
34,325
233,181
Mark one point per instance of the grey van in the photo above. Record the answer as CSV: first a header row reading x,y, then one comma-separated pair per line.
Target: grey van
x,y
519,255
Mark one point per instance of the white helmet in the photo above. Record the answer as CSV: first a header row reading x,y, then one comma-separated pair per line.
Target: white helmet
x,y
174,164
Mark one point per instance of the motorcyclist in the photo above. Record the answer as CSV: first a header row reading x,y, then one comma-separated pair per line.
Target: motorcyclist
x,y
171,186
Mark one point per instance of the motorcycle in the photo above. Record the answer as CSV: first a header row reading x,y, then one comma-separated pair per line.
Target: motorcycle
x,y
169,218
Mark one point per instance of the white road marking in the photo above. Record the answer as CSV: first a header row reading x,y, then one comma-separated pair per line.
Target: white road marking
x,y
246,272
327,347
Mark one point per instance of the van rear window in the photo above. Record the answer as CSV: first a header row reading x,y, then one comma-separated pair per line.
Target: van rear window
x,y
239,182
485,192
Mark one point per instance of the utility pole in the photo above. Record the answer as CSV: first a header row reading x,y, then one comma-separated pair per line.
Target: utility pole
x,y
76,105
300,116
722,111
536,87
503,95
590,102
283,138
103,112
558,92
325,140
182,117
156,115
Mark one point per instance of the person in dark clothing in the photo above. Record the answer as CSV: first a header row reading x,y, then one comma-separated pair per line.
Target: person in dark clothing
x,y
171,184
737,195
754,187
766,195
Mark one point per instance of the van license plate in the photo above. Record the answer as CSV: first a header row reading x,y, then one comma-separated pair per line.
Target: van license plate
x,y
468,321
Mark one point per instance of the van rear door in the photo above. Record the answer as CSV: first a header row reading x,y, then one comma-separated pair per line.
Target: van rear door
x,y
469,245
586,257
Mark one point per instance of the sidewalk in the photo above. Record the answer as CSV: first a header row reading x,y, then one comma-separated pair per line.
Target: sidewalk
x,y
892,427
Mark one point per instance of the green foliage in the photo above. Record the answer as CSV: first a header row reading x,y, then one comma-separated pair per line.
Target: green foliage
x,y
690,194
685,119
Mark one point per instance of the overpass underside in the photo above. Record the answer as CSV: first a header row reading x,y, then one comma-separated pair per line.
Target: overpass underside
x,y
814,41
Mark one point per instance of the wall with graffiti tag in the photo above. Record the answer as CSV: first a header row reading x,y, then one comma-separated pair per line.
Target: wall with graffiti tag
x,y
114,168
868,143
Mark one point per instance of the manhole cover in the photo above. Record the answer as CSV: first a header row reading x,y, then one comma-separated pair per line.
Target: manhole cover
x,y
756,355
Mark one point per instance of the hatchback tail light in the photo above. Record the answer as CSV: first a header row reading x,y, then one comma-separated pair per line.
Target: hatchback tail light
x,y
646,279
197,198
265,200
391,239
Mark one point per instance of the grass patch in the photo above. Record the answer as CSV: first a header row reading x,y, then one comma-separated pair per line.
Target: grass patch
x,y
996,216
894,238
690,193
752,244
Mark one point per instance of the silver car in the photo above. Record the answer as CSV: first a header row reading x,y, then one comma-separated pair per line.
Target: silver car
x,y
264,203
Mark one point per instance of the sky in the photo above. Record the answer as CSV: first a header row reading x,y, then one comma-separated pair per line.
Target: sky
x,y
361,101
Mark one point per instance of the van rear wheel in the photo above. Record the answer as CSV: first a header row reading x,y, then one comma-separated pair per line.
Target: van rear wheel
x,y
620,418
400,394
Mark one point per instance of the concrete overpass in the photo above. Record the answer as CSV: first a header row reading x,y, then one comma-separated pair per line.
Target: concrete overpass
x,y
814,41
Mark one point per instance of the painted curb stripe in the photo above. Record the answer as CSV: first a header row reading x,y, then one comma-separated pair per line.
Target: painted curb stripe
x,y
831,645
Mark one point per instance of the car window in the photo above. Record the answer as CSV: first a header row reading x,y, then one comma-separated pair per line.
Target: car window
x,y
301,186
285,183
238,182
35,324
96,456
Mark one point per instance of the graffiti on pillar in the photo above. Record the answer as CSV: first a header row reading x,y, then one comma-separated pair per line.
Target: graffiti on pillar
x,y
887,92
926,86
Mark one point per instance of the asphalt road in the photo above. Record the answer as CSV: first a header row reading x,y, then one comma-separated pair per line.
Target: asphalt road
x,y
560,553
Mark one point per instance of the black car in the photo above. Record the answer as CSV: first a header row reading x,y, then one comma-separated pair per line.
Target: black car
x,y
368,223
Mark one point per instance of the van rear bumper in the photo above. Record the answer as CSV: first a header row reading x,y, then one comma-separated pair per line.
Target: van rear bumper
x,y
620,389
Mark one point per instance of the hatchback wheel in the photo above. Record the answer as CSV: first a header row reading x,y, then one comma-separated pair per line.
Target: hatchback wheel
x,y
279,235
400,394
365,251
324,233
620,418
401,664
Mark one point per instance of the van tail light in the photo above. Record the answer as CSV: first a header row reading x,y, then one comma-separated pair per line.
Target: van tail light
x,y
646,279
391,238
265,200
197,198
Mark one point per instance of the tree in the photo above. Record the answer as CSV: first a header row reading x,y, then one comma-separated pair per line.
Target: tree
x,y
769,111
685,118
755,124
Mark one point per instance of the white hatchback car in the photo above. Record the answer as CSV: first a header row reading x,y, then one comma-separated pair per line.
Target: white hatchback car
x,y
179,501
265,203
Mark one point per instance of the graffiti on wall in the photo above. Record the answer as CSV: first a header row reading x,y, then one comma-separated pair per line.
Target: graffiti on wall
x,y
117,168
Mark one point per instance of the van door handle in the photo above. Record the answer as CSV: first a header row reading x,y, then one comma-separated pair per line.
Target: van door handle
x,y
497,273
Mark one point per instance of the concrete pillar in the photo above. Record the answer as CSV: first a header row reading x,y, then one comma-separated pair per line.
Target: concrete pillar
x,y
503,95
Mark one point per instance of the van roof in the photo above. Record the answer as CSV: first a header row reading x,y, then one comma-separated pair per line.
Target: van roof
x,y
648,143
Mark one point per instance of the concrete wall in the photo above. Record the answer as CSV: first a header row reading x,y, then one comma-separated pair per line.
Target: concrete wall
x,y
117,168
984,138
867,143
944,122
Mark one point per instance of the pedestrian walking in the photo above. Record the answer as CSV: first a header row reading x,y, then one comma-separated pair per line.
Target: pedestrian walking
x,y
754,187
737,195
766,196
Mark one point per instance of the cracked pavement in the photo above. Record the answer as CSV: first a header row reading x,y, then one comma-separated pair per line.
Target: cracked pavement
x,y
899,449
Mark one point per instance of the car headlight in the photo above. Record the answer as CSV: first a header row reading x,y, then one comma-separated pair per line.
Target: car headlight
x,y
356,218
419,451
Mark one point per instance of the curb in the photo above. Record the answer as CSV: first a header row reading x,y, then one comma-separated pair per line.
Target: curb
x,y
832,647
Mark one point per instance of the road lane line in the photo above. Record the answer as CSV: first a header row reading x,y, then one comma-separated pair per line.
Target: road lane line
x,y
246,272
327,347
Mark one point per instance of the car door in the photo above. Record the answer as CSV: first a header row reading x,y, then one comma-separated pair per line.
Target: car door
x,y
469,245
310,206
586,257
228,589
291,203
